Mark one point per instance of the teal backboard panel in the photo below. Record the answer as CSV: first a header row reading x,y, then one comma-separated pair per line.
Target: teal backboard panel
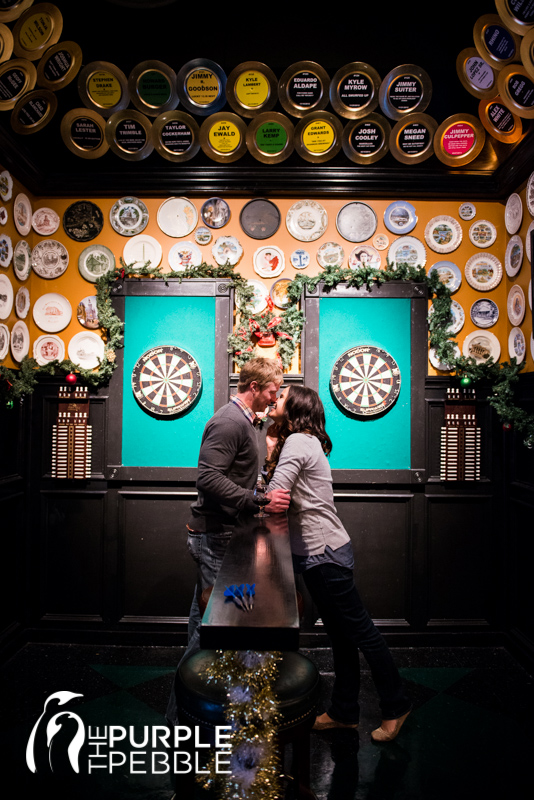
x,y
381,442
186,322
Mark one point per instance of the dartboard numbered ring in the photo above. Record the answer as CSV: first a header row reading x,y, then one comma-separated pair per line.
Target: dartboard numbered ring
x,y
166,381
365,381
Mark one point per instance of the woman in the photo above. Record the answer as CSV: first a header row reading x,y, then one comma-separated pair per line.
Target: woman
x,y
297,446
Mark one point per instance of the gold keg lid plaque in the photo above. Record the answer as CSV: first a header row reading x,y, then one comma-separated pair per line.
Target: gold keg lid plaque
x,y
128,134
36,30
318,137
103,87
405,90
223,137
476,75
494,42
175,136
354,90
83,132
499,121
251,89
516,87
152,87
412,139
366,141
201,86
17,77
518,15
12,9
59,65
33,111
303,88
459,139
527,52
270,137
6,43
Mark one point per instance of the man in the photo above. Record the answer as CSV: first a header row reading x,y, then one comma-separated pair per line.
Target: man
x,y
227,471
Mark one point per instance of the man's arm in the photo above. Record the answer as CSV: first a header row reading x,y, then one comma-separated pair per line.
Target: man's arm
x,y
218,451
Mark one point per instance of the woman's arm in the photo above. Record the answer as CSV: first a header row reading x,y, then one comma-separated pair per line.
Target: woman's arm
x,y
292,459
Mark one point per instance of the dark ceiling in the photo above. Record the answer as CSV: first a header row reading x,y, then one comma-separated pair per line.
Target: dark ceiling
x,y
383,35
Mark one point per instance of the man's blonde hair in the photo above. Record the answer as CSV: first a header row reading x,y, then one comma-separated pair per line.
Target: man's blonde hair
x,y
261,370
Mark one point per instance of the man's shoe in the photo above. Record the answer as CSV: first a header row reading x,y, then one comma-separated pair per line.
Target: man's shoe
x,y
325,723
380,735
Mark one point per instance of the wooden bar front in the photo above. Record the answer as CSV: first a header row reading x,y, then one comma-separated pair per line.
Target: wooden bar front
x,y
258,552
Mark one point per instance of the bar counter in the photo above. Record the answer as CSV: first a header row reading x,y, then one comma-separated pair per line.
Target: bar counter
x,y
258,553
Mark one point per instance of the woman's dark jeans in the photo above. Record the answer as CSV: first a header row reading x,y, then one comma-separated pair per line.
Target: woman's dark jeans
x,y
351,629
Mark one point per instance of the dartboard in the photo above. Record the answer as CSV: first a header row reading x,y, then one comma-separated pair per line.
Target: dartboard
x,y
166,380
365,380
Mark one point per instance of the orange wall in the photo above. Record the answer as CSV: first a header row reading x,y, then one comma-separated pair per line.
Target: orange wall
x,y
74,287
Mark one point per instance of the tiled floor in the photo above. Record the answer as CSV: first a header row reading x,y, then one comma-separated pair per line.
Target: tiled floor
x,y
470,734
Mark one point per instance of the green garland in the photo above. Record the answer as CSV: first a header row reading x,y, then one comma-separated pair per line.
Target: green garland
x,y
286,327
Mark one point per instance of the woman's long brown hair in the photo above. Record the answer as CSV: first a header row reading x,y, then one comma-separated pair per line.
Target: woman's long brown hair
x,y
303,413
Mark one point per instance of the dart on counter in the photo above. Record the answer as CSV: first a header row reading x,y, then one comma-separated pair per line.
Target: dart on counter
x,y
237,595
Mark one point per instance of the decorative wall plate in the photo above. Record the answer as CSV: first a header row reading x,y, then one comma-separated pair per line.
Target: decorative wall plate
x,y
527,241
404,90
481,346
251,88
483,233
48,348
129,135
22,302
269,261
484,313
50,258
412,139
59,65
259,298
443,234
300,259
17,77
177,217
6,185
20,340
203,235
141,249
83,221
4,341
476,75
201,85
103,88
449,274
366,141
260,218
407,250
494,41
517,346
441,365
457,318
227,250
222,137
330,254
365,381
184,255
354,90
306,220
365,256
6,43
400,217
22,214
278,293
270,137
381,241
166,381
175,136
529,194
129,216
33,111
356,222
516,15
52,312
215,212
37,29
86,349
87,313
516,305
95,261
467,211
152,87
483,272
499,120
459,140
6,297
303,88
513,213
3,215
516,88
318,137
45,221
22,259
83,133
6,250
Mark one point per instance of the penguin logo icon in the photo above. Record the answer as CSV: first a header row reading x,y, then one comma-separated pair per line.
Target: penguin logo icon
x,y
53,726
